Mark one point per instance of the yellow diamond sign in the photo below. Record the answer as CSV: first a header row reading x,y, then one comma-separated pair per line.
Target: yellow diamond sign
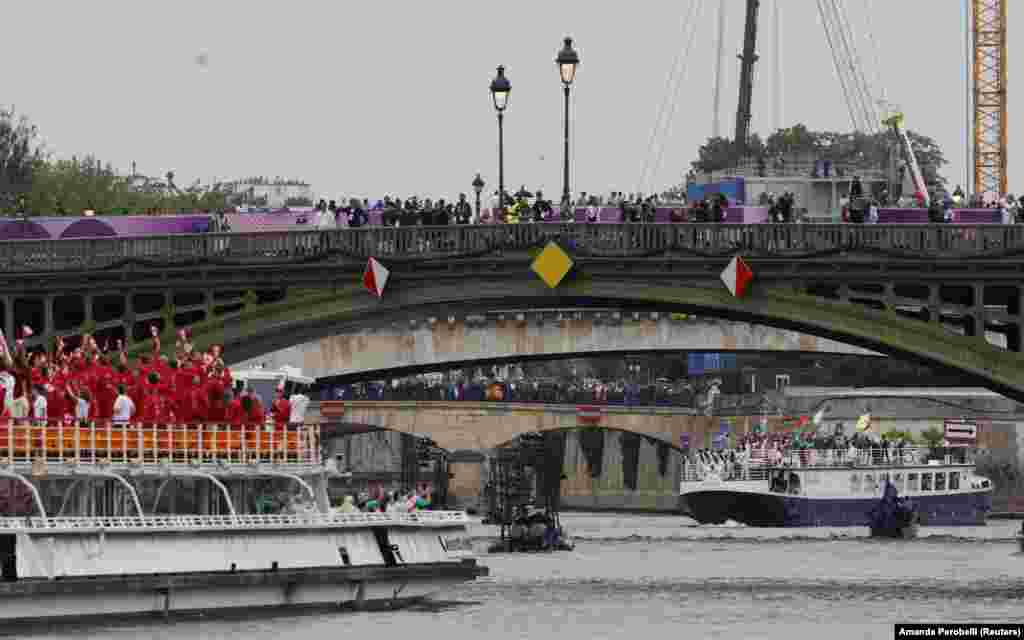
x,y
552,264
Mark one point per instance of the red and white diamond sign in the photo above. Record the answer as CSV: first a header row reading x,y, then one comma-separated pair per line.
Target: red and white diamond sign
x,y
375,278
737,277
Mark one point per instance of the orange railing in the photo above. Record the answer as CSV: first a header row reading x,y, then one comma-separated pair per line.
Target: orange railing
x,y
150,443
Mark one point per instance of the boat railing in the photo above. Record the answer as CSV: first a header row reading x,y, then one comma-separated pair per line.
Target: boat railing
x,y
755,464
197,522
98,442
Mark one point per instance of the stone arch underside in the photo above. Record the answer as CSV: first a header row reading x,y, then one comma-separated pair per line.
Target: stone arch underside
x,y
296,322
396,349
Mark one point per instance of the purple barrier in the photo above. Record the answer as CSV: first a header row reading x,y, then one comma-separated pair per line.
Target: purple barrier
x,y
746,215
255,222
89,228
977,216
920,216
23,230
157,225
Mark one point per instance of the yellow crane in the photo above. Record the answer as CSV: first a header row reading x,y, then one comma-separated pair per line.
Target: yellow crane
x,y
989,61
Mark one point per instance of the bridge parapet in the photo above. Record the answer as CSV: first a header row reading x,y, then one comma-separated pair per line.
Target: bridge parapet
x,y
593,240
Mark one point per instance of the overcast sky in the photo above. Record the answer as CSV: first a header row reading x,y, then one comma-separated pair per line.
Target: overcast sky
x,y
369,98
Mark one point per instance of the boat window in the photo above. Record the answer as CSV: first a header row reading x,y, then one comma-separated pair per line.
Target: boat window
x,y
897,481
911,481
869,483
854,483
778,482
926,482
954,481
794,484
940,481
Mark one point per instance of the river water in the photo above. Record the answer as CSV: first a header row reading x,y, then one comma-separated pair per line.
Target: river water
x,y
655,577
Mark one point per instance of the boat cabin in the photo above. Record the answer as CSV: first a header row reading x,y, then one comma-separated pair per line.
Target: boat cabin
x,y
869,482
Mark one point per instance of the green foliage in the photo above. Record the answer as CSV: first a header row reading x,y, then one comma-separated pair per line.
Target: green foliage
x,y
932,437
250,299
718,154
20,156
898,436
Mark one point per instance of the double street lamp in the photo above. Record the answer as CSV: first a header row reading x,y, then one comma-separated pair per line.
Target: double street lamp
x,y
500,90
567,62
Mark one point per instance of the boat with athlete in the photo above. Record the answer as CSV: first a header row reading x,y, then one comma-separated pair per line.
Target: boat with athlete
x,y
131,488
807,487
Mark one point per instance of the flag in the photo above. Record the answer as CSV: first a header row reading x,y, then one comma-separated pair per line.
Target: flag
x,y
737,276
26,332
589,415
961,432
864,423
375,278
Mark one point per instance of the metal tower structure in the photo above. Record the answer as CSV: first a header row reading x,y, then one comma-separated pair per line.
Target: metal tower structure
x,y
988,26
748,58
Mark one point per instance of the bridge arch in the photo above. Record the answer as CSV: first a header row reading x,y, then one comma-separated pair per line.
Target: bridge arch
x,y
778,306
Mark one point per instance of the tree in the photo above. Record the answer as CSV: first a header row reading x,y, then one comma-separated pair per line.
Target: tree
x,y
20,155
932,437
855,149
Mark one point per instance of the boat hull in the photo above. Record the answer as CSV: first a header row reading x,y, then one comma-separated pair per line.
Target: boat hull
x,y
764,509
26,601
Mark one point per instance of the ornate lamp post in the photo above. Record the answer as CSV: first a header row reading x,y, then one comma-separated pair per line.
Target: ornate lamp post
x,y
500,90
478,186
567,61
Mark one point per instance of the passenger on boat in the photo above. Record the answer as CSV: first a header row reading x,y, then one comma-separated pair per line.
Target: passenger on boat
x,y
348,506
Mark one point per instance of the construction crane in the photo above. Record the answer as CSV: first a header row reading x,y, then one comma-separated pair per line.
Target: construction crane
x,y
895,122
748,58
988,32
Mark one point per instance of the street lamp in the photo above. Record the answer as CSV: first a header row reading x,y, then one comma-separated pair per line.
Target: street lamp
x,y
500,90
478,186
567,61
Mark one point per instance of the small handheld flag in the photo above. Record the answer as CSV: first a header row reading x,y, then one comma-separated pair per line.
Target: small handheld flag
x,y
737,276
375,277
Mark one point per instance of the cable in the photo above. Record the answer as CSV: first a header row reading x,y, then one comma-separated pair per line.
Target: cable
x,y
673,71
835,61
675,99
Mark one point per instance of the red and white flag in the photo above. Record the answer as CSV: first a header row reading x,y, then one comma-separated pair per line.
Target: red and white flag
x,y
26,331
589,414
375,278
737,277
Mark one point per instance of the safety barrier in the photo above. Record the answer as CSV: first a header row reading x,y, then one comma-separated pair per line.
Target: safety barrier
x,y
152,443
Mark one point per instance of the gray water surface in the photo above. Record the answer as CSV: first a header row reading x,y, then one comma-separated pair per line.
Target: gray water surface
x,y
656,577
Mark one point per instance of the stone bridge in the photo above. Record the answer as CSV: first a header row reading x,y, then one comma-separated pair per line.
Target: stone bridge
x,y
890,289
496,337
616,457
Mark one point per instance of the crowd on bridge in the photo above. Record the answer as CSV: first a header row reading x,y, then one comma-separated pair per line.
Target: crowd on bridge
x,y
82,382
551,391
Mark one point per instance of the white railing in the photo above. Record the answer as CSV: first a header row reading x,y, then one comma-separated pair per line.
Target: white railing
x,y
153,443
241,522
755,465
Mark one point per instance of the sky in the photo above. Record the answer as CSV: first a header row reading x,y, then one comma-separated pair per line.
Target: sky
x,y
373,98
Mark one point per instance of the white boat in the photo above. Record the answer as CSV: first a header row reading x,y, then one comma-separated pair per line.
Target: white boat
x,y
807,488
116,557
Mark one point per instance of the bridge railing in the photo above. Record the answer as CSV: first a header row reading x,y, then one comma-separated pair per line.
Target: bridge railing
x,y
601,240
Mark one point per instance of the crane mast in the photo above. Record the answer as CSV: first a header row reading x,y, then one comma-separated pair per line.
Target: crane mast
x,y
988,26
749,57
